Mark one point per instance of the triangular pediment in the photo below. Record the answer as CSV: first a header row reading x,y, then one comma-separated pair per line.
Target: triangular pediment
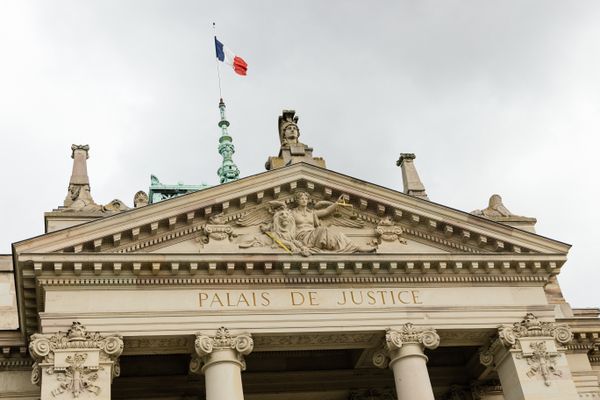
x,y
254,214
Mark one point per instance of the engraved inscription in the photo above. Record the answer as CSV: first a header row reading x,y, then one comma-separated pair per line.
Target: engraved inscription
x,y
302,298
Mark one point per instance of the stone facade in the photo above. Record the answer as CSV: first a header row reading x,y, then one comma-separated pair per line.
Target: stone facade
x,y
297,283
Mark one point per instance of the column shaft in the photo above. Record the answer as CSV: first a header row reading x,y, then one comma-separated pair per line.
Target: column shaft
x,y
223,376
221,359
403,347
410,373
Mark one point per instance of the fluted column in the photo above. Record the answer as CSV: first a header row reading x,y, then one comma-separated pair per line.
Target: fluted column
x,y
78,363
403,353
530,361
221,359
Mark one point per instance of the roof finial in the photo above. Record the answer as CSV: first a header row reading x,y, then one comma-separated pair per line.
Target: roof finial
x,y
412,183
78,195
228,171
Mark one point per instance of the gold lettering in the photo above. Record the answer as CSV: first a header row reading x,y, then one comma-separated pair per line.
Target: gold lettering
x,y
371,295
312,298
382,294
300,297
228,295
400,293
216,299
203,296
343,297
243,299
415,296
266,301
353,300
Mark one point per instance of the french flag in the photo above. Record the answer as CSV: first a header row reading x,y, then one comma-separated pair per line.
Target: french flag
x,y
228,57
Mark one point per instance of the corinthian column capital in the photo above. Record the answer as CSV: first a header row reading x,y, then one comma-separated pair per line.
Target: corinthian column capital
x,y
222,347
61,359
538,345
396,339
408,333
530,327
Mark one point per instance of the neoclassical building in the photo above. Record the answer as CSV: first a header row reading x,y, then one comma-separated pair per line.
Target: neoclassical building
x,y
299,283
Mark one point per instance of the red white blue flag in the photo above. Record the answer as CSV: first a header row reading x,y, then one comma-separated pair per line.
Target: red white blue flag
x,y
228,57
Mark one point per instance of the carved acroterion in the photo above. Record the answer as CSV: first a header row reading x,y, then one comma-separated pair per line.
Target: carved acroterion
x,y
79,197
494,209
292,150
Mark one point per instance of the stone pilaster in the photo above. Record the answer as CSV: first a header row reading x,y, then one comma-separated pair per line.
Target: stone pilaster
x,y
403,353
75,364
530,360
221,359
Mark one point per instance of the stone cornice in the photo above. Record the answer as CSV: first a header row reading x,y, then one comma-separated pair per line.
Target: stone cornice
x,y
183,210
62,264
13,354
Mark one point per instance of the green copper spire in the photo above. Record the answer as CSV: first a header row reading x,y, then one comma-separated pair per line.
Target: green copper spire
x,y
228,171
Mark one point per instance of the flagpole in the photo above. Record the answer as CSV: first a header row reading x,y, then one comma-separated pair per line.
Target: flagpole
x,y
217,62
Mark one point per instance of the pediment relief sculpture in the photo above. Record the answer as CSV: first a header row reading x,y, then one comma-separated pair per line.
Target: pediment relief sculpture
x,y
303,229
217,229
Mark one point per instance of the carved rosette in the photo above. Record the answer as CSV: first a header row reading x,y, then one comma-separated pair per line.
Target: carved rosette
x,y
206,346
536,342
74,359
407,334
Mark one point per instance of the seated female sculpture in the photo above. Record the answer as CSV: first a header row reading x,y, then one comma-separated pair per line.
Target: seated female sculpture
x,y
316,237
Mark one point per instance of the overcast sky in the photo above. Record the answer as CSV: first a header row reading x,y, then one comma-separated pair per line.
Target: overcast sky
x,y
492,96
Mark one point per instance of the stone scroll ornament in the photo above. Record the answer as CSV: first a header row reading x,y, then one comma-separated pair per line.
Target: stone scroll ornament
x,y
298,230
205,345
74,359
534,341
387,231
406,334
